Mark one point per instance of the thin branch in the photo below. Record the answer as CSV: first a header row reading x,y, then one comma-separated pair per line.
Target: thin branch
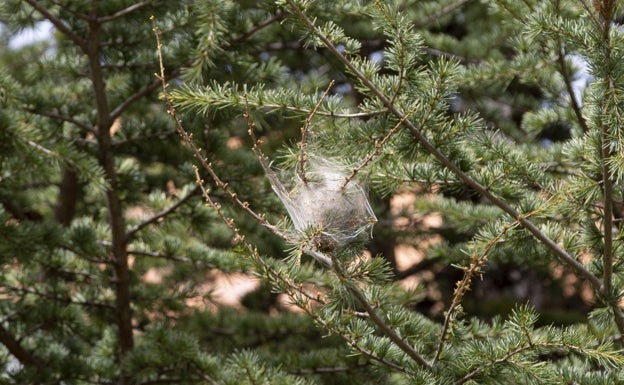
x,y
444,11
54,115
495,362
160,215
381,324
152,254
197,151
565,73
124,12
365,352
263,24
305,131
433,150
53,297
144,138
58,23
117,111
330,369
607,221
475,267
25,357
377,149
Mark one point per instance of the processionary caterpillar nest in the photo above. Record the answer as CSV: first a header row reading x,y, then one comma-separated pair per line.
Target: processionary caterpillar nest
x,y
323,200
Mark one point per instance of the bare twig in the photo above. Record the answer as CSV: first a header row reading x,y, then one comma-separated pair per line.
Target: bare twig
x,y
197,151
379,143
305,132
475,267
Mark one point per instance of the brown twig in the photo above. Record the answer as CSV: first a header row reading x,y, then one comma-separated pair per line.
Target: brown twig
x,y
444,11
377,320
477,262
305,132
160,215
24,356
197,151
377,149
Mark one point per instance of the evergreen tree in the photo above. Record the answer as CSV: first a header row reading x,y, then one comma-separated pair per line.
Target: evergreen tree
x,y
274,118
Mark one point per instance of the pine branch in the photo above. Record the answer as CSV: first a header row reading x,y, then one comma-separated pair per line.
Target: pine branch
x,y
197,151
144,138
25,357
606,9
160,215
56,298
381,324
565,73
503,359
378,146
117,111
330,369
59,24
475,267
429,147
64,118
124,12
305,131
114,204
343,334
263,24
607,221
443,12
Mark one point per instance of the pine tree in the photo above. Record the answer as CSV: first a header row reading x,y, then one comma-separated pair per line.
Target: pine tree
x,y
273,121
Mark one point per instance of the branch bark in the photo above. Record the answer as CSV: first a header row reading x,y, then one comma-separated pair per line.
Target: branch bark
x,y
381,324
115,213
156,217
67,198
25,357
58,23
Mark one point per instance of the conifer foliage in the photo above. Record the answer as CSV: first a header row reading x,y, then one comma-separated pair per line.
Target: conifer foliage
x,y
149,148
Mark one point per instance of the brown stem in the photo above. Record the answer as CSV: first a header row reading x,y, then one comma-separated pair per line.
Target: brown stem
x,y
25,357
124,12
606,9
399,341
58,23
565,73
67,197
160,215
115,210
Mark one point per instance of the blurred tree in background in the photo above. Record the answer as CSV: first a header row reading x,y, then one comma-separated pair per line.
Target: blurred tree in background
x,y
488,133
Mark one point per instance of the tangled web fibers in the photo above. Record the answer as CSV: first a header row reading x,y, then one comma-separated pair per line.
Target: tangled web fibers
x,y
324,201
